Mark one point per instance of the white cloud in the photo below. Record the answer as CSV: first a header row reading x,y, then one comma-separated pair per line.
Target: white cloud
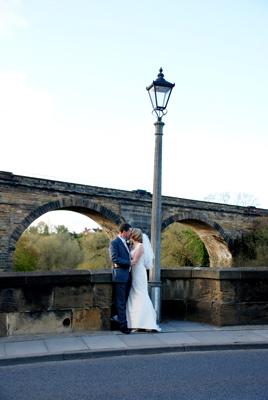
x,y
10,16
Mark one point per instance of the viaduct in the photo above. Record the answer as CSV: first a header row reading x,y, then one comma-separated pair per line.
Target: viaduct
x,y
24,199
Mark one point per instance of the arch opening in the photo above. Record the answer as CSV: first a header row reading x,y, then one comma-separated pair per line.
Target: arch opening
x,y
211,234
104,217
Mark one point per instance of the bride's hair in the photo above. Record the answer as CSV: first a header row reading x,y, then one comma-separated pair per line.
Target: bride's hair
x,y
137,235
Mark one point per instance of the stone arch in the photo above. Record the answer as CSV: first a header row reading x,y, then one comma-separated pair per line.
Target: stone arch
x,y
106,218
217,242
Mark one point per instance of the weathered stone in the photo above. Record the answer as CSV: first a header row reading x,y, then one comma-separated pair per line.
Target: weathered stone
x,y
105,319
12,279
226,291
103,275
204,289
224,314
102,295
58,277
73,296
87,319
3,324
199,311
35,298
253,313
174,309
10,299
176,272
32,197
39,322
176,289
252,290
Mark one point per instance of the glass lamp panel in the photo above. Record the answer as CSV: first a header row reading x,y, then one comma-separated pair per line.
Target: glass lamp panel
x,y
162,95
152,97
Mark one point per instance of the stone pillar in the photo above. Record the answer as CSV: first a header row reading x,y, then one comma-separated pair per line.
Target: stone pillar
x,y
155,273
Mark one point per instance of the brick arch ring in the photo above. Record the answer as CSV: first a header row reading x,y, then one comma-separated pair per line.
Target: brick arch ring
x,y
197,216
62,204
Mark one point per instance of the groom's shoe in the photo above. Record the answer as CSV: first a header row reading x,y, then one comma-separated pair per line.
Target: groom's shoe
x,y
125,330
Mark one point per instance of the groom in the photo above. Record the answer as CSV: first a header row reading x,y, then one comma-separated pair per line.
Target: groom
x,y
120,256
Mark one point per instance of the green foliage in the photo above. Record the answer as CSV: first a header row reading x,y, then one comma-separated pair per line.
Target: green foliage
x,y
61,229
25,258
254,248
95,247
181,247
40,249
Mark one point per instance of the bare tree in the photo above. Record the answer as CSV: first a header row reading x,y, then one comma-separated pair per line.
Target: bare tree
x,y
237,199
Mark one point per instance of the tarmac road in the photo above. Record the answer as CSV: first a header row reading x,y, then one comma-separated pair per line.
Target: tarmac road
x,y
186,376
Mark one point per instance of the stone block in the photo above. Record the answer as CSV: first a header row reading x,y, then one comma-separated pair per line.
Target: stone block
x,y
176,289
226,291
32,323
9,299
3,324
12,279
87,320
58,278
206,273
199,311
105,319
102,295
204,289
35,298
176,273
253,290
174,309
103,275
73,296
224,314
253,313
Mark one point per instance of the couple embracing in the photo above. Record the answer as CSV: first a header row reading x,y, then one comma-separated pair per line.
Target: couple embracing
x,y
133,305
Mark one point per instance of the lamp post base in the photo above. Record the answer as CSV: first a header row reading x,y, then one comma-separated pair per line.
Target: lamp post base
x,y
155,289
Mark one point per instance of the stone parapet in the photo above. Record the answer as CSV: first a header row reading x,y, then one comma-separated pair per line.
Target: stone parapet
x,y
218,296
54,302
75,301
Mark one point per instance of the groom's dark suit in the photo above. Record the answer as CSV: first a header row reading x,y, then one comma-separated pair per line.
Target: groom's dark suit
x,y
121,277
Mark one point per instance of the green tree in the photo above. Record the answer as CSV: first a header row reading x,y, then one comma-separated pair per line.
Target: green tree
x,y
95,247
181,247
253,250
61,229
25,257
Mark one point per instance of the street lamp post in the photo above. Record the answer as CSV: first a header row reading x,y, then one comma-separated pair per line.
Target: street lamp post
x,y
159,92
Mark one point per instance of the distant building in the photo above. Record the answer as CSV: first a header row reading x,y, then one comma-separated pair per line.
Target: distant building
x,y
91,230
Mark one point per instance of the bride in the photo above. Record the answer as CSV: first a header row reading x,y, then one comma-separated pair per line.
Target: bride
x,y
139,309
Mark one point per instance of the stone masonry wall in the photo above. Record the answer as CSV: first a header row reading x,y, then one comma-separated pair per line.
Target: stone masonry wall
x,y
76,301
24,199
217,296
54,302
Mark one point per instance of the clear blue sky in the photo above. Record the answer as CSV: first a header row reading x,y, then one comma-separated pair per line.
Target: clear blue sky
x,y
73,103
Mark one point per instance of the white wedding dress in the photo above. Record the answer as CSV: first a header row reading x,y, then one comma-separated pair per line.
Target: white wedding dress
x,y
139,309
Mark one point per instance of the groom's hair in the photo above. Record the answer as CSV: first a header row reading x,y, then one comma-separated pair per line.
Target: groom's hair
x,y
124,227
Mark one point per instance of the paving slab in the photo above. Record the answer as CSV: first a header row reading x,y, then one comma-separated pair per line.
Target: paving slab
x,y
25,348
65,344
176,338
189,326
263,332
211,337
103,342
245,336
143,339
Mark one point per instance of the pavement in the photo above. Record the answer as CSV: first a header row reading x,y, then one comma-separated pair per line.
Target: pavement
x,y
175,336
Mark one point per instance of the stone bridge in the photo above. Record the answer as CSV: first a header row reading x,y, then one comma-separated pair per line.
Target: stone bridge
x,y
24,199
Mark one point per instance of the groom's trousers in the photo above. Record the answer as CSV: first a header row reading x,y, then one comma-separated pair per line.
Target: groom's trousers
x,y
121,296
